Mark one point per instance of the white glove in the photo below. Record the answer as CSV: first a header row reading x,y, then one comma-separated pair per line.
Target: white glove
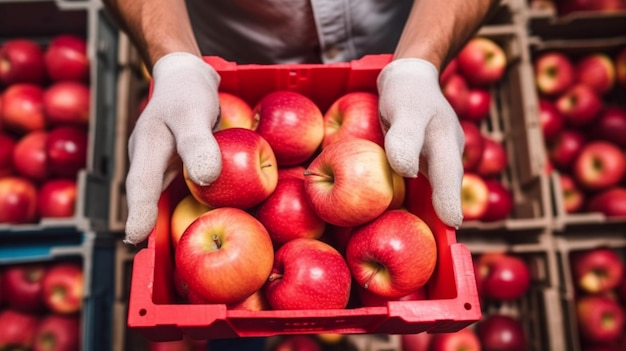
x,y
178,121
418,121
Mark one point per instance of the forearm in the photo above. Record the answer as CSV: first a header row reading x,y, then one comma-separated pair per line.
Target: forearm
x,y
436,30
156,27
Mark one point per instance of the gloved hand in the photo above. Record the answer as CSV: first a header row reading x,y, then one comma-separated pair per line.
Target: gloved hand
x,y
418,121
177,121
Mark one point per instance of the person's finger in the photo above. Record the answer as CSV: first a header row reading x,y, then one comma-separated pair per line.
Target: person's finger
x,y
199,152
403,144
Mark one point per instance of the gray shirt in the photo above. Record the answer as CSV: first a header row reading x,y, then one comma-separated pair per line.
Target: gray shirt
x,y
297,31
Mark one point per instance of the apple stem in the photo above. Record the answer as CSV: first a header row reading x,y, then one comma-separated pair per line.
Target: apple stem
x,y
367,282
266,165
309,173
274,276
217,241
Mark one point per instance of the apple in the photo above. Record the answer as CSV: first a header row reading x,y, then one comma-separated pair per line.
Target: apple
x,y
611,125
291,172
599,165
176,345
235,112
501,332
350,182
551,120
448,71
620,67
337,237
308,275
185,212
370,299
565,148
554,73
66,150
579,105
381,254
500,201
465,339
494,159
502,276
29,156
249,171
254,302
296,342
598,270
63,288
474,196
474,145
23,287
292,124
399,190
287,213
18,330
456,91
21,61
225,255
57,198
610,202
354,115
22,108
573,197
7,147
597,71
67,103
18,200
478,105
600,318
66,58
416,342
482,61
57,333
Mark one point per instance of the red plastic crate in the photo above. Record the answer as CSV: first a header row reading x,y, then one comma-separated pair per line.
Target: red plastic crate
x,y
453,300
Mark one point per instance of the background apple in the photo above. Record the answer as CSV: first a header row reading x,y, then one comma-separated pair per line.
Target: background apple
x,y
565,147
66,150
579,105
22,287
478,105
599,165
600,318
501,332
63,286
474,197
494,159
597,71
482,61
502,276
611,202
573,197
18,330
597,270
57,198
456,91
474,145
67,103
7,146
18,200
554,73
500,201
552,122
66,58
58,333
21,61
22,108
29,156
465,339
610,125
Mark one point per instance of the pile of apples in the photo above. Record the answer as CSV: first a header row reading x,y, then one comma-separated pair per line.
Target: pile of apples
x,y
40,305
306,214
583,120
467,84
44,118
599,279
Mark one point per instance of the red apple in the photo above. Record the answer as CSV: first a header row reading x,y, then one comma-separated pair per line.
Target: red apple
x,y
185,212
350,182
66,150
501,332
500,201
235,112
176,345
292,124
29,156
291,172
22,108
370,299
597,71
58,333
416,342
599,165
308,275
554,73
66,58
287,213
448,71
620,67
18,330
597,270
63,288
579,105
225,255
57,198
474,197
494,159
67,103
399,190
611,202
502,276
573,197
254,302
474,145
456,91
565,148
18,200
552,122
600,318
611,125
465,339
7,147
296,342
23,287
478,105
482,61
355,115
249,171
381,254
21,61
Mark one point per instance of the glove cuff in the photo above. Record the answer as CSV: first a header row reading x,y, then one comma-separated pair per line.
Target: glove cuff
x,y
174,63
408,68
